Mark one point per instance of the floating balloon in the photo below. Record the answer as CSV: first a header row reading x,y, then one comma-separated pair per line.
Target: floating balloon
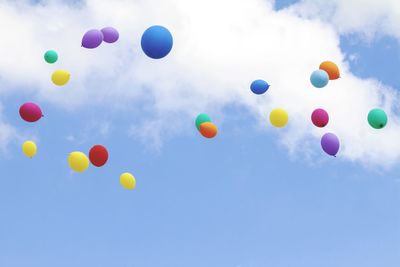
x,y
60,77
29,149
278,117
30,112
208,129
259,87
50,56
202,117
377,118
110,35
330,144
330,68
156,42
92,39
98,155
319,78
127,180
78,161
320,117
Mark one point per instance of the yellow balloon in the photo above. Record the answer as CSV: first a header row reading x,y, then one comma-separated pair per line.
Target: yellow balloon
x,y
78,161
127,180
60,77
29,149
278,117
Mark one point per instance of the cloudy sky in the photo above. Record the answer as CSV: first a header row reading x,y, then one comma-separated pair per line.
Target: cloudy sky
x,y
254,196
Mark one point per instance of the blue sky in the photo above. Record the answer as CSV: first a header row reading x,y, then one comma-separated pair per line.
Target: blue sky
x,y
239,200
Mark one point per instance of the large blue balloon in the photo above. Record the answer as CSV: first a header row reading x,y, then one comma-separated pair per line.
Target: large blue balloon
x,y
259,87
319,78
156,42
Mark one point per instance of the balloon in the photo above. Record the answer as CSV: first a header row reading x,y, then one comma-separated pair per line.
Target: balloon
x,y
208,129
259,87
377,118
110,35
202,117
29,149
330,144
78,161
30,112
156,42
319,78
320,117
278,117
60,77
127,180
50,56
92,39
330,68
98,155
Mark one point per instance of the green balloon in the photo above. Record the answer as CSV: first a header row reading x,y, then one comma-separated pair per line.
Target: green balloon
x,y
202,118
377,118
50,56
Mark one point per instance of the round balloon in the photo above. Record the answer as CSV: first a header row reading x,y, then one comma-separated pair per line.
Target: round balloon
x,y
78,161
330,68
319,78
320,117
30,112
202,117
110,35
259,87
92,39
50,56
127,180
330,144
156,42
208,129
278,117
377,118
60,77
98,155
29,149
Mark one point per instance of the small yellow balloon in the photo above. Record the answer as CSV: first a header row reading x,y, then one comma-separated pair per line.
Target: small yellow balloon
x,y
127,180
29,149
278,117
78,161
60,77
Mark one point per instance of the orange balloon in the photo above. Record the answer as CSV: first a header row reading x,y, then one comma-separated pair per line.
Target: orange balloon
x,y
208,129
331,68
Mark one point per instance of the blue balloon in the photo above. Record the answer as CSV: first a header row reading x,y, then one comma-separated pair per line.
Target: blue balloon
x,y
319,78
259,87
156,42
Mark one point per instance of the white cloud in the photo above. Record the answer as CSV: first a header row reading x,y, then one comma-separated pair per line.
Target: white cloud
x,y
219,48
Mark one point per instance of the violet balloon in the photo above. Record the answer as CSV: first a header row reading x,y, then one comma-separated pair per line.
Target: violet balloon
x,y
330,144
320,117
92,39
30,112
110,35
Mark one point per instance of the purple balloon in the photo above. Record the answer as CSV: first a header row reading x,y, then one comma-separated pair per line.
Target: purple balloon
x,y
330,144
110,34
92,39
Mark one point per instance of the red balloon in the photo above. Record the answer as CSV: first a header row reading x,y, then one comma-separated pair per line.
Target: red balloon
x,y
320,117
98,155
30,112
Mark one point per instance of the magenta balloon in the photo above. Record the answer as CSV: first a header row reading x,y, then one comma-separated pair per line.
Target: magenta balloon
x,y
30,112
92,39
330,144
110,34
320,117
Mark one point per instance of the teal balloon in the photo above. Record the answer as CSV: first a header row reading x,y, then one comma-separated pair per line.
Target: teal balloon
x,y
319,78
202,118
377,118
50,56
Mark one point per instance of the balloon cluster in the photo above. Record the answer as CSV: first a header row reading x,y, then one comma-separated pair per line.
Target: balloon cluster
x,y
205,126
327,71
94,38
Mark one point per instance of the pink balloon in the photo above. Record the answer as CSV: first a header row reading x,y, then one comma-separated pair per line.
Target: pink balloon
x,y
30,112
320,117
